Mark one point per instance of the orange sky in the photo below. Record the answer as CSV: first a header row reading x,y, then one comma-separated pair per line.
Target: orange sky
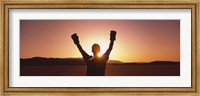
x,y
137,40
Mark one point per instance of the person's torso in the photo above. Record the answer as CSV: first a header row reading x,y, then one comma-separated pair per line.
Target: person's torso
x,y
96,66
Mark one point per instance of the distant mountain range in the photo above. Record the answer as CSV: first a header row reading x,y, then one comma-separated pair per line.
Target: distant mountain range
x,y
52,61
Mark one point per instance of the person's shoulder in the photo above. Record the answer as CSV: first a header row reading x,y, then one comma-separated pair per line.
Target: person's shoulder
x,y
86,58
105,57
90,58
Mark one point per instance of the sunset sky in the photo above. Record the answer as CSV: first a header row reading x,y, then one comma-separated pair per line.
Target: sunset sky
x,y
136,41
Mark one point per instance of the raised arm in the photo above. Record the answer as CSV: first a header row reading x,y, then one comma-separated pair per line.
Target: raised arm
x,y
76,41
110,48
112,39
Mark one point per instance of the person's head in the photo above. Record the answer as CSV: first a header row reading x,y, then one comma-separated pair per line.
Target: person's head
x,y
95,49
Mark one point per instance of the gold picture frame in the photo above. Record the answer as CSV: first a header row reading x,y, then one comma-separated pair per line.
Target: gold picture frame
x,y
9,4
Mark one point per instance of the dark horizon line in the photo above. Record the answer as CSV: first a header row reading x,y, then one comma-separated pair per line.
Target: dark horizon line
x,y
108,60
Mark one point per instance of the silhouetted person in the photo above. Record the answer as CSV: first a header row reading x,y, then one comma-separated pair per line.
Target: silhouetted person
x,y
96,65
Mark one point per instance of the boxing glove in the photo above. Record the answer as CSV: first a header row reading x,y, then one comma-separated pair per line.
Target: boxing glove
x,y
75,38
112,35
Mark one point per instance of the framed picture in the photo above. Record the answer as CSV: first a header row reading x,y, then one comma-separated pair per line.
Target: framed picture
x,y
100,47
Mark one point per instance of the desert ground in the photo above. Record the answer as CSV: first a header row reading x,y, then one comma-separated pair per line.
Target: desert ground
x,y
39,66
